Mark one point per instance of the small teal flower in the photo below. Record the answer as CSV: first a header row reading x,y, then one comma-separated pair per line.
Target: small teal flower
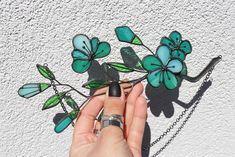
x,y
85,51
180,48
31,89
162,69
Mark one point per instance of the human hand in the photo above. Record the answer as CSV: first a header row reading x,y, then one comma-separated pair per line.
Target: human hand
x,y
112,140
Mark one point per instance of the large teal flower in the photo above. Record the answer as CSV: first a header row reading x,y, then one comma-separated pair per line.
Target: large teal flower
x,y
162,69
180,48
86,50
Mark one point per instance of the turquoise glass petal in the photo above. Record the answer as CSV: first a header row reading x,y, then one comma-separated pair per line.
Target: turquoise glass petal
x,y
178,54
82,43
170,80
29,90
80,66
163,52
124,34
155,78
94,44
175,37
186,46
175,66
151,63
77,54
167,42
63,124
103,50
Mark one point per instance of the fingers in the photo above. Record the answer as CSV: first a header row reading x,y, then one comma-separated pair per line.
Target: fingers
x,y
130,105
113,104
136,131
85,121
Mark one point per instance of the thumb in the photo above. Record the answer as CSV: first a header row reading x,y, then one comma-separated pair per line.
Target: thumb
x,y
114,104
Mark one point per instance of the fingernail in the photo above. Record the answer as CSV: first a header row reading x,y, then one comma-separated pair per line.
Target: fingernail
x,y
114,89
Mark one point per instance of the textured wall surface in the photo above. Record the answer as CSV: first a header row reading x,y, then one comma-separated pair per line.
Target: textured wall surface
x,y
34,32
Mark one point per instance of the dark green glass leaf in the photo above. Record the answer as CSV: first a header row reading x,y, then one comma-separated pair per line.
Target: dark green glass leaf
x,y
53,101
95,84
71,102
45,72
31,89
120,67
73,114
130,58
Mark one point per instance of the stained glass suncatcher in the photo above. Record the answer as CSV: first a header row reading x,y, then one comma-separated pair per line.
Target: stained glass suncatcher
x,y
165,67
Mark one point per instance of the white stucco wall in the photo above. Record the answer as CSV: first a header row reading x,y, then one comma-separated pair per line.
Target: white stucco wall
x,y
34,32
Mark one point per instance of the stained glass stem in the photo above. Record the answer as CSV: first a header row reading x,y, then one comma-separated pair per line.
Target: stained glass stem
x,y
148,49
74,89
212,63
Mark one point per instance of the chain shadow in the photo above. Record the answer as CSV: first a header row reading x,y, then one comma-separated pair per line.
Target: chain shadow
x,y
160,100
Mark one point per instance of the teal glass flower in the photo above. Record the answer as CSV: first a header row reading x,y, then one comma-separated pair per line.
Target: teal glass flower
x,y
162,69
180,48
85,51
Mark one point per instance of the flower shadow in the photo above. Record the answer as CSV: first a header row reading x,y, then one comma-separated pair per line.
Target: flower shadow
x,y
161,100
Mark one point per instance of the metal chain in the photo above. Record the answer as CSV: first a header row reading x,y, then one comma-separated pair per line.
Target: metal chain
x,y
61,102
178,119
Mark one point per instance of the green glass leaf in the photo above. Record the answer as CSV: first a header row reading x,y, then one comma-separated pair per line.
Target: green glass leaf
x,y
95,84
137,41
71,102
73,114
31,89
125,34
53,101
120,67
44,86
45,72
130,58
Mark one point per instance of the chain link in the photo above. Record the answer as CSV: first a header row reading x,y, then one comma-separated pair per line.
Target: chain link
x,y
61,102
183,114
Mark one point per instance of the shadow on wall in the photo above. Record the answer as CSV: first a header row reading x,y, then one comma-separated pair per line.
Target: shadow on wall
x,y
160,99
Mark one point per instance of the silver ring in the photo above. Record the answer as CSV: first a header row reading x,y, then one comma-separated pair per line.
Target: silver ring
x,y
112,120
